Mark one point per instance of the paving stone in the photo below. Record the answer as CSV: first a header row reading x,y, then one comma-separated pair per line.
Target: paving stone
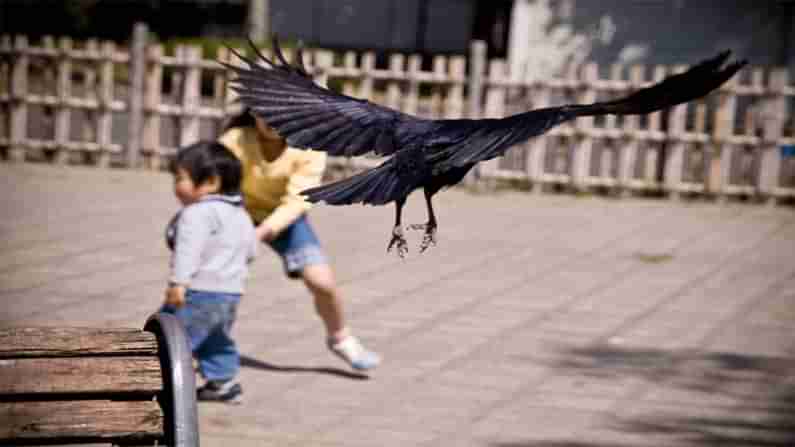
x,y
538,320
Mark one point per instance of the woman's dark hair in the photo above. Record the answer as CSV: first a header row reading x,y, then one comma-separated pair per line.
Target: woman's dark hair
x,y
242,119
206,159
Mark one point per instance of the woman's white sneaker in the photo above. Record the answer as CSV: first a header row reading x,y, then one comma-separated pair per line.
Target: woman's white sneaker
x,y
350,350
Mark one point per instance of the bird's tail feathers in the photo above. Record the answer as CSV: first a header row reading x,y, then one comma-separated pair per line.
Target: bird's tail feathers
x,y
375,186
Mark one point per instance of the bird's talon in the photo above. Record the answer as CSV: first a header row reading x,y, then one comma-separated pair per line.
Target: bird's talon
x,y
399,242
429,238
427,242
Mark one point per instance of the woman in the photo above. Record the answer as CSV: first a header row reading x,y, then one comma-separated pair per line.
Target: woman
x,y
273,177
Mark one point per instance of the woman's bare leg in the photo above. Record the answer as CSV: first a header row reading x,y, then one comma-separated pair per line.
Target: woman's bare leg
x,y
319,279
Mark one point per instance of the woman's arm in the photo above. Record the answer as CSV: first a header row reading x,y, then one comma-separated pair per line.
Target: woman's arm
x,y
308,173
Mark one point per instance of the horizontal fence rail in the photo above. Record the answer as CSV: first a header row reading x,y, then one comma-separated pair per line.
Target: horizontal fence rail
x,y
96,103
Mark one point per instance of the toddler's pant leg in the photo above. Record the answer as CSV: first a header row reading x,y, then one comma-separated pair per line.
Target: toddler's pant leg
x,y
218,355
196,322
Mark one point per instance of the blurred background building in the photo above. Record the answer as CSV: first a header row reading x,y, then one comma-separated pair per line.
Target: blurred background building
x,y
606,31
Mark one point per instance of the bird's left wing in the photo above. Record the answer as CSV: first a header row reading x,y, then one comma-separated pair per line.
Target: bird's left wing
x,y
312,117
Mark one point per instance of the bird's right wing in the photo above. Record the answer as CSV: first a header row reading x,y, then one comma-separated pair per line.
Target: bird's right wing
x,y
490,138
312,117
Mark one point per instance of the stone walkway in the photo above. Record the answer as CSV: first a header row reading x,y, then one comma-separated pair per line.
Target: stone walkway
x,y
538,321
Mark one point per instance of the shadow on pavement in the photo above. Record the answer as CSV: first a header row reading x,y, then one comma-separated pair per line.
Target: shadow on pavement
x,y
251,362
554,444
700,398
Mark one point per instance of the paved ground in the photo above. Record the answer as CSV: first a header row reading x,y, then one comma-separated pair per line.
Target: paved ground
x,y
539,321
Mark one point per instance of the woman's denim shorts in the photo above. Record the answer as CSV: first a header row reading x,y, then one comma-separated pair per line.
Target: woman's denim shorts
x,y
299,247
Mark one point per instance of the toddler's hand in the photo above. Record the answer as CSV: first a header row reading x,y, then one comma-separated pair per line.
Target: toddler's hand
x,y
175,296
264,233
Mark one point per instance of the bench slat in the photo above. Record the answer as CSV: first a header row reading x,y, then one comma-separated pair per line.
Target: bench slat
x,y
85,420
67,342
80,375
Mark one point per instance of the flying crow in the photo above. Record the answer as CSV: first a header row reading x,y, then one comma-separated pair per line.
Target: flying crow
x,y
422,153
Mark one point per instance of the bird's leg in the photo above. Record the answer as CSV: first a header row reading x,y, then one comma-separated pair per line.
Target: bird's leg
x,y
429,227
398,240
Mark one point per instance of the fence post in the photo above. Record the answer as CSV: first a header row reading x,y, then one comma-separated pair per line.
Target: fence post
x,y
537,147
136,112
189,120
477,67
88,131
411,96
396,62
775,115
150,137
219,90
477,59
349,62
19,106
629,144
48,79
258,20
63,92
653,158
105,121
581,159
324,61
672,180
5,88
709,161
233,106
610,150
367,68
494,108
454,103
723,130
439,75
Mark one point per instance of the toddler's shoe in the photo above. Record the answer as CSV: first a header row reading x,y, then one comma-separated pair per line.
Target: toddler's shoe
x,y
357,356
228,391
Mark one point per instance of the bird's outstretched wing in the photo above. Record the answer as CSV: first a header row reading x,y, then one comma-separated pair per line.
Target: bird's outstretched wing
x,y
492,137
310,116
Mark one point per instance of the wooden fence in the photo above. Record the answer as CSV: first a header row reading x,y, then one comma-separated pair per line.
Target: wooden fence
x,y
93,102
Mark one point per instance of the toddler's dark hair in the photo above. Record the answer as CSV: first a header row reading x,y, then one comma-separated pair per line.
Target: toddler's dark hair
x,y
205,159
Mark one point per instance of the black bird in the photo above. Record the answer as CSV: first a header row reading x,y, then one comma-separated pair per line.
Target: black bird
x,y
431,154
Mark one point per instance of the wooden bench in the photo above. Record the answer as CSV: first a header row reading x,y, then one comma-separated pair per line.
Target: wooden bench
x,y
81,385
